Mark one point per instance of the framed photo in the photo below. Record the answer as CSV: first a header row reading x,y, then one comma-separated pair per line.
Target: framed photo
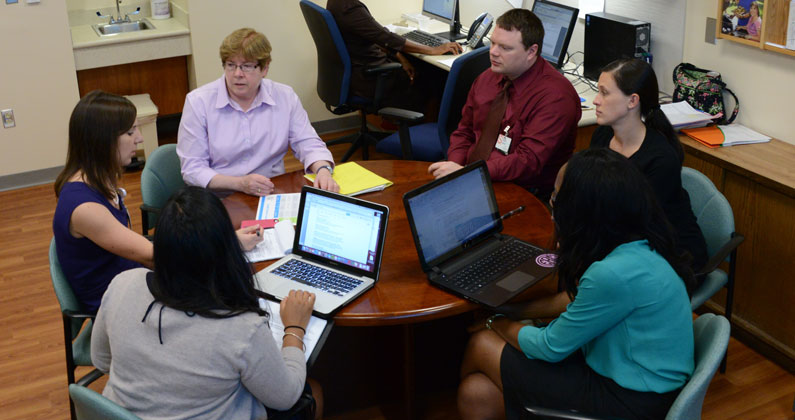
x,y
741,20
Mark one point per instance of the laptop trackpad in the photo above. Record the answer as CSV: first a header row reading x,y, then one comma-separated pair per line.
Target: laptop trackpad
x,y
515,281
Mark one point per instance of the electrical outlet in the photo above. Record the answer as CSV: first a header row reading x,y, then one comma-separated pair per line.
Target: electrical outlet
x,y
8,118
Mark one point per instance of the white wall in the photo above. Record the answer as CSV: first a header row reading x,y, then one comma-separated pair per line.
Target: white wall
x,y
764,81
37,80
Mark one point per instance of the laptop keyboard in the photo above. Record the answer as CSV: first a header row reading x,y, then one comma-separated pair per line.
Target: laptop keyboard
x,y
424,38
318,277
482,272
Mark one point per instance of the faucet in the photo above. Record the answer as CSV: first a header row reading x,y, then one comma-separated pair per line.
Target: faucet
x,y
118,18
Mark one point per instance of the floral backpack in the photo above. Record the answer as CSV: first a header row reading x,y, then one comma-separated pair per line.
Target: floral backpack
x,y
703,89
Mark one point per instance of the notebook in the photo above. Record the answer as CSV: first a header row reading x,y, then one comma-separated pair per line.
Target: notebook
x,y
456,227
336,253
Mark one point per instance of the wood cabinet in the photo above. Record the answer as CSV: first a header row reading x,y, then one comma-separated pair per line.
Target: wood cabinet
x,y
775,15
165,80
759,183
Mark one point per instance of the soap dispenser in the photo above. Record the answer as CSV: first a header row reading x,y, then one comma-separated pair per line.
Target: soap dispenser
x,y
160,9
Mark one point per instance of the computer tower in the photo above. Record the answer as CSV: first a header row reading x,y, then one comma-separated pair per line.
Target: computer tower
x,y
609,37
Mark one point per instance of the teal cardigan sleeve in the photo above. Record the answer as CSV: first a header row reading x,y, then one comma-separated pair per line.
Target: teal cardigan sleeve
x,y
601,303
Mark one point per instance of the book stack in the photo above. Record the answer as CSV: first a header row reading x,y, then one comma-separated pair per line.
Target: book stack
x,y
682,115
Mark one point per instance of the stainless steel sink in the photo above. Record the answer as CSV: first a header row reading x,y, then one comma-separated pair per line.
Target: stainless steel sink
x,y
108,29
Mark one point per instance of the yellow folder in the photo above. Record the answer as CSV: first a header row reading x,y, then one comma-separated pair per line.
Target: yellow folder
x,y
355,180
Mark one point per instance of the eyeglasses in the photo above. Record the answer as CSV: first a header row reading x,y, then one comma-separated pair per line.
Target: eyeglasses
x,y
245,67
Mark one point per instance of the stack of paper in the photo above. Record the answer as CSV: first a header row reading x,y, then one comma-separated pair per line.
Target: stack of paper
x,y
725,135
314,329
682,115
276,243
355,180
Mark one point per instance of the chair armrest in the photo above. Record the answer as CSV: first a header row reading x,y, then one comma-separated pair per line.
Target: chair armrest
x,y
550,413
151,209
383,68
402,115
722,253
90,377
78,315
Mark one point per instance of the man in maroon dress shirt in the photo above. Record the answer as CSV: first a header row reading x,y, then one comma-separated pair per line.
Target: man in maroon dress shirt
x,y
539,125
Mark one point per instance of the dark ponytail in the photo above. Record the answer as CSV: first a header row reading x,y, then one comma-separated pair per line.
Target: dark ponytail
x,y
636,76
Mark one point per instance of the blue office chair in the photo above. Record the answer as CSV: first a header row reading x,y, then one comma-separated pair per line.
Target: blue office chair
x,y
161,177
716,220
430,141
77,337
334,78
93,406
711,341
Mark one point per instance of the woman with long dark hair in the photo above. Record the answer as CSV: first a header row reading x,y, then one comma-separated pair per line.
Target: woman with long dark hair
x,y
91,225
623,346
632,123
190,340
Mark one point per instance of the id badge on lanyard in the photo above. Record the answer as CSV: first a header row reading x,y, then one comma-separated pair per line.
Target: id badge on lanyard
x,y
503,141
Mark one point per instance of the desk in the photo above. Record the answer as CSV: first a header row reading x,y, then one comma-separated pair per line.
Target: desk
x,y
402,294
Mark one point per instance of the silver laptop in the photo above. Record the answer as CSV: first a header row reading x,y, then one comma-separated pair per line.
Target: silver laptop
x,y
339,241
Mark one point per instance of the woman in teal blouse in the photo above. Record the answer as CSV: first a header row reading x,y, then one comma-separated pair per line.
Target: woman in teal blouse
x,y
623,344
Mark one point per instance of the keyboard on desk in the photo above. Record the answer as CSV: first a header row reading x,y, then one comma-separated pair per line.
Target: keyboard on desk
x,y
317,277
490,267
424,38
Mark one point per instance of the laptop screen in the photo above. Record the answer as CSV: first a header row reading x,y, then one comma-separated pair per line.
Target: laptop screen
x,y
452,213
558,21
340,231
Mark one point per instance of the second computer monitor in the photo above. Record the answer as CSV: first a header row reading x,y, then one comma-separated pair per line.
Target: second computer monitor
x,y
445,11
558,21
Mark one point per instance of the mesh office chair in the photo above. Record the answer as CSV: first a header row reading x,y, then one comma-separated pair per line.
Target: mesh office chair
x,y
716,220
430,141
160,178
334,77
93,406
711,341
77,342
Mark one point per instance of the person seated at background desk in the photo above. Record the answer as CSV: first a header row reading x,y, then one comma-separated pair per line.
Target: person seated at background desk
x,y
521,115
624,345
91,225
204,348
632,123
371,44
235,131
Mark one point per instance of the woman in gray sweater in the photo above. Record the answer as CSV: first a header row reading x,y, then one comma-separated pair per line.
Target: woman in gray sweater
x,y
190,340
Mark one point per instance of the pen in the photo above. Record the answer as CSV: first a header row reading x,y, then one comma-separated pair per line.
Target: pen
x,y
258,229
512,212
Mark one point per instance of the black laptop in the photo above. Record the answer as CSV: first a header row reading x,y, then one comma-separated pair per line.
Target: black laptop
x,y
456,226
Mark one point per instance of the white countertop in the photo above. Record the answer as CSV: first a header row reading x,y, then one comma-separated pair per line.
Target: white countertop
x,y
84,36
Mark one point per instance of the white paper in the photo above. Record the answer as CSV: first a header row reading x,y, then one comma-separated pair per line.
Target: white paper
x,y
278,206
740,134
313,330
590,6
276,242
515,3
681,114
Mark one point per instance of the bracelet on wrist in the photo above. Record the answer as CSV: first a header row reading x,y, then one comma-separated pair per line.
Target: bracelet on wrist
x,y
296,336
295,326
491,319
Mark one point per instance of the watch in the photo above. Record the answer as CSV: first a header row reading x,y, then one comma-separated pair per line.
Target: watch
x,y
330,169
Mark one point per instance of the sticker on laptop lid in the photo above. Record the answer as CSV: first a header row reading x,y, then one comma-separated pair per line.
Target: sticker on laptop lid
x,y
547,260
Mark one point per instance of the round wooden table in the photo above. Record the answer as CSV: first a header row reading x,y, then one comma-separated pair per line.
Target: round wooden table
x,y
402,295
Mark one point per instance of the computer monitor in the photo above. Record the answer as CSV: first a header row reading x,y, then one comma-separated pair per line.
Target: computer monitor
x,y
445,11
558,21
